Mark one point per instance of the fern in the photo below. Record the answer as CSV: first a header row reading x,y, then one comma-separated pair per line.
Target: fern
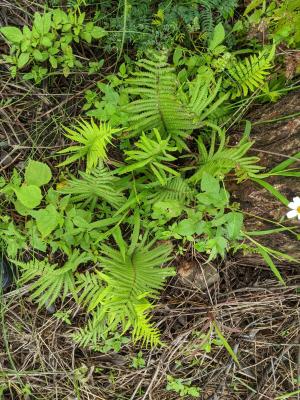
x,y
151,153
93,140
129,277
100,184
53,281
207,20
250,74
220,162
213,11
176,188
160,104
89,285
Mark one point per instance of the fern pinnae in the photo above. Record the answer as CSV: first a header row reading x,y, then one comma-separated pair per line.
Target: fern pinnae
x,y
98,184
249,74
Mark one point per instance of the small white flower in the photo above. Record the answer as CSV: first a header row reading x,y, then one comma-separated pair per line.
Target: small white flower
x,y
295,208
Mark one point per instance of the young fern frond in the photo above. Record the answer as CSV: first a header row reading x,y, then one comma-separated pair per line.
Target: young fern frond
x,y
219,162
247,75
129,277
151,154
93,140
202,95
100,184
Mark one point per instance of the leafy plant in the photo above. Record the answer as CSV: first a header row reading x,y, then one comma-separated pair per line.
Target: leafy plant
x,y
209,227
247,75
129,276
101,238
138,361
220,162
183,388
48,44
160,104
151,153
99,184
281,20
93,140
27,195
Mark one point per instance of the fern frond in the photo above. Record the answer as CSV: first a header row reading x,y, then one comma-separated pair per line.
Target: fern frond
x,y
159,104
206,19
213,10
32,269
53,281
93,140
144,330
130,276
220,162
152,154
176,188
88,285
100,184
250,74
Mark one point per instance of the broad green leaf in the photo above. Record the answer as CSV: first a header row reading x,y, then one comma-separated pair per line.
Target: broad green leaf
x,y
186,227
177,55
23,60
12,34
218,37
47,219
97,32
86,36
234,225
42,23
169,209
210,184
39,56
216,246
53,61
30,196
46,42
21,209
37,173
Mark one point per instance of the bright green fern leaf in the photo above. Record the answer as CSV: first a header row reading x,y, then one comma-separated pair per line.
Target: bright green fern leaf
x,y
129,277
219,162
152,154
250,74
53,281
176,188
93,140
159,104
100,184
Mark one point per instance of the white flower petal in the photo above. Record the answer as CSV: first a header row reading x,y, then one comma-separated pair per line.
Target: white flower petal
x,y
292,214
292,206
296,200
299,216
